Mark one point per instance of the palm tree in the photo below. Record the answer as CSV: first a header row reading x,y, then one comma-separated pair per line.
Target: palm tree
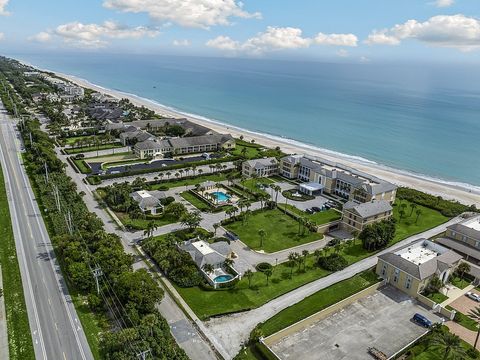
x,y
248,274
413,206
418,213
462,268
474,314
317,253
215,227
208,268
304,254
168,174
151,227
268,273
200,171
449,344
228,262
262,235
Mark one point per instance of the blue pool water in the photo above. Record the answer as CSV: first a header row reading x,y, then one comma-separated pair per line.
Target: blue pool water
x,y
221,196
223,278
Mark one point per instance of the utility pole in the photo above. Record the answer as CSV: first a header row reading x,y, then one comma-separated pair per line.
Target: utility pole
x,y
97,272
56,195
143,354
46,172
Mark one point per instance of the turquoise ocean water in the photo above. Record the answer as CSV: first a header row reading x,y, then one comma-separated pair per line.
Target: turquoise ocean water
x,y
419,118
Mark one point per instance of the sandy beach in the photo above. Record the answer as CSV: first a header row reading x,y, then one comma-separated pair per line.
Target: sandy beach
x,y
464,194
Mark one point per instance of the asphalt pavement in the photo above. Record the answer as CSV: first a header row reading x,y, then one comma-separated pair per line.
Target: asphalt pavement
x,y
56,330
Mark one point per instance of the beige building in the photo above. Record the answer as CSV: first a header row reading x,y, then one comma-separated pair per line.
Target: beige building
x,y
337,179
355,216
261,167
149,201
181,146
464,238
411,267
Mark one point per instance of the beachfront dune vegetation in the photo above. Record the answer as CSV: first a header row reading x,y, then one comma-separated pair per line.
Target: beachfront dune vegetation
x,y
132,294
448,208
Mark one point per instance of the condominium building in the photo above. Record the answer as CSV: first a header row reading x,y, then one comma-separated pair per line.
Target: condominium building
x,y
411,267
337,179
464,238
355,216
261,167
180,146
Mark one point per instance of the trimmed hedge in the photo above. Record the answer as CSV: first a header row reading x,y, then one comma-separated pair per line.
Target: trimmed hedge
x,y
333,262
263,266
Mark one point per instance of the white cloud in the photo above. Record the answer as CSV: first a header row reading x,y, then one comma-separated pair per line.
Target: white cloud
x,y
380,37
455,31
343,53
444,3
42,36
364,59
3,5
278,38
2,36
189,13
336,39
183,42
93,35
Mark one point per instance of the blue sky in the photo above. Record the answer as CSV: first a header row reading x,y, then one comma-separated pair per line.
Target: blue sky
x,y
345,30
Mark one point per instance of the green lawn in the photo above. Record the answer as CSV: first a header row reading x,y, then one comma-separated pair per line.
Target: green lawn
x,y
252,185
198,179
19,337
318,301
437,297
459,282
82,166
282,231
464,320
141,224
251,152
195,201
407,227
72,140
322,217
92,148
209,303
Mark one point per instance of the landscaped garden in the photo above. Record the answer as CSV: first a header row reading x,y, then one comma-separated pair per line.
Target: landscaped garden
x,y
321,217
257,185
280,231
198,179
142,222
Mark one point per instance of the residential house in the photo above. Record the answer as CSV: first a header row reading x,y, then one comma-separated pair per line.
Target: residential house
x,y
355,216
132,137
149,201
411,267
337,179
151,148
159,125
464,238
203,253
261,167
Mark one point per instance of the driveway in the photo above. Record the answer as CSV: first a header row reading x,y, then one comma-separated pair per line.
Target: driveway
x,y
319,200
464,304
381,320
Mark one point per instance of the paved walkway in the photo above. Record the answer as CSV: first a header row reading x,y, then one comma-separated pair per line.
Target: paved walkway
x,y
233,330
4,352
462,332
454,293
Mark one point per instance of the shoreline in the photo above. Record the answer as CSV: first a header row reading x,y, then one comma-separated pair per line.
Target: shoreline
x,y
464,193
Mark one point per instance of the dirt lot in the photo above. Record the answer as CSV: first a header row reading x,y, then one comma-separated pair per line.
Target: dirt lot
x,y
382,320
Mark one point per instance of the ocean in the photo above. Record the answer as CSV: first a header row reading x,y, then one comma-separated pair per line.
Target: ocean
x,y
420,118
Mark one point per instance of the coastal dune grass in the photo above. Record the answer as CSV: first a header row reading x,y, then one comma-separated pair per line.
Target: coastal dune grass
x,y
19,337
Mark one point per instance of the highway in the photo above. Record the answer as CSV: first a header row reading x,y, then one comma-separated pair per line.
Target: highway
x,y
56,330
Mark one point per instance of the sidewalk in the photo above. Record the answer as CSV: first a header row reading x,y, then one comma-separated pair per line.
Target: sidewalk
x,y
454,293
4,354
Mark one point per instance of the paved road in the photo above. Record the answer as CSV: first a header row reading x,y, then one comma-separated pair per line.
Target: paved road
x,y
182,328
56,331
231,331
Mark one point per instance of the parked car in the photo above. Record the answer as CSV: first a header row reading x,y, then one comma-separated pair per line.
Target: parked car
x,y
316,209
327,206
309,211
422,320
473,296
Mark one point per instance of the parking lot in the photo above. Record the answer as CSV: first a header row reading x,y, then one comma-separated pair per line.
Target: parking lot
x,y
381,320
464,304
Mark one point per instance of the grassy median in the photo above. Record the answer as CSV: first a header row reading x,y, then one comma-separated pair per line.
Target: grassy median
x,y
20,343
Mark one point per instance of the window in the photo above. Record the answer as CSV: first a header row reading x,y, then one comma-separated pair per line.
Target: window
x,y
396,275
384,269
477,243
408,282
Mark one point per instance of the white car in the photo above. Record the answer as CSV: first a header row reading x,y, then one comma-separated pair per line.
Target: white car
x,y
473,296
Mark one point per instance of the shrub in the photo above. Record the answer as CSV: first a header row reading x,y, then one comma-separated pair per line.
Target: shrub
x,y
333,262
303,197
220,239
263,266
167,201
473,353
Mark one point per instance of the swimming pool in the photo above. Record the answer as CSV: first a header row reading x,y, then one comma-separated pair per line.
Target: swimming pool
x,y
223,278
221,196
